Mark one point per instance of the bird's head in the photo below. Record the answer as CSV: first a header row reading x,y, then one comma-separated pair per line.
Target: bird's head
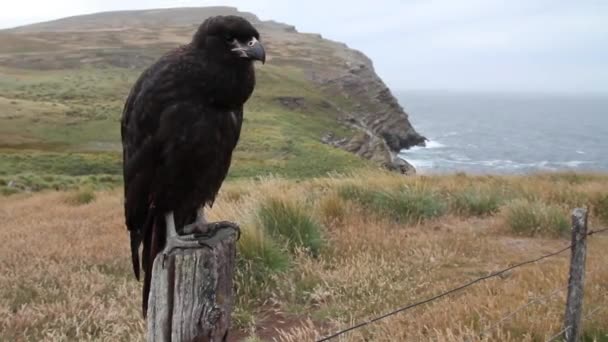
x,y
232,37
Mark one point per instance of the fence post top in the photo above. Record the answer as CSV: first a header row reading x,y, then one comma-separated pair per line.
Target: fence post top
x,y
579,212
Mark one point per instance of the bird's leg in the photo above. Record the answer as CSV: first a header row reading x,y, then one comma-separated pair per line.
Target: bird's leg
x,y
198,226
199,233
170,223
175,240
202,228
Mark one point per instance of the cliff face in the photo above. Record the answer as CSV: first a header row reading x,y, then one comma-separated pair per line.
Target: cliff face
x,y
382,124
134,39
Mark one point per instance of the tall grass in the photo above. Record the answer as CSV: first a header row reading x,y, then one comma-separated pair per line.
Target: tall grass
x,y
261,252
291,223
533,218
600,207
259,259
332,208
85,291
476,202
407,205
80,197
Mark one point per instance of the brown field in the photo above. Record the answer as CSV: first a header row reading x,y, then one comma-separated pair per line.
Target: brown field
x,y
65,270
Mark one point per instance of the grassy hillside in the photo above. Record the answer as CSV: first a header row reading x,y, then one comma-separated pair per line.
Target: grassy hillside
x,y
56,124
318,255
64,83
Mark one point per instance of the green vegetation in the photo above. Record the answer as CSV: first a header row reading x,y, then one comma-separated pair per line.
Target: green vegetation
x,y
60,164
292,224
64,124
533,218
477,202
261,252
595,335
408,205
26,170
259,259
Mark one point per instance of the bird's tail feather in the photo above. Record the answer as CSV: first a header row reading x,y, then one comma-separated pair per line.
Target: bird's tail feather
x,y
135,242
154,237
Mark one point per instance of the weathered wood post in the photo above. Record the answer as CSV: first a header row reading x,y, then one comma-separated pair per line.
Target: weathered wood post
x,y
576,281
191,295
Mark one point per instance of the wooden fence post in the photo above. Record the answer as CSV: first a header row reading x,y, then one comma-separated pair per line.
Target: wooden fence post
x,y
191,295
576,281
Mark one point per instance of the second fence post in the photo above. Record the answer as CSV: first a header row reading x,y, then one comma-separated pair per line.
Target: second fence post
x,y
576,281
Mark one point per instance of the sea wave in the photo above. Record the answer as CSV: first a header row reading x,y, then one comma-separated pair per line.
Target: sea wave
x,y
500,165
430,144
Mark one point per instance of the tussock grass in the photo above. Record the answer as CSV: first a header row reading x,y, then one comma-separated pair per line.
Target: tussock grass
x,y
532,218
259,259
409,204
83,196
332,208
261,252
65,270
476,202
291,223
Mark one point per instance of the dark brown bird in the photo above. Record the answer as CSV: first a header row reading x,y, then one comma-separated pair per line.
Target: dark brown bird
x,y
180,124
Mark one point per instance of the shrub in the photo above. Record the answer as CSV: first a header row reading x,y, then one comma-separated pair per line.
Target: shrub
x,y
291,223
535,218
5,190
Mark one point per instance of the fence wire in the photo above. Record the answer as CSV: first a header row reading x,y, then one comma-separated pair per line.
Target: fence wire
x,y
539,300
559,334
585,317
470,283
456,289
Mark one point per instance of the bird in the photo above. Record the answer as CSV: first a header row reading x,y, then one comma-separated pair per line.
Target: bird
x,y
180,123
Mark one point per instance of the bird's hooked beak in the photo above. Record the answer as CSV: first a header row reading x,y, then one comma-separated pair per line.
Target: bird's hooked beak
x,y
253,50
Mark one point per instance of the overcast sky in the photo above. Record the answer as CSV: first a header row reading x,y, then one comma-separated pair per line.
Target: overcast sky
x,y
468,45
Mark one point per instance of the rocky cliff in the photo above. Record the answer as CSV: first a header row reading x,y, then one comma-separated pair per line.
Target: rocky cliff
x,y
133,39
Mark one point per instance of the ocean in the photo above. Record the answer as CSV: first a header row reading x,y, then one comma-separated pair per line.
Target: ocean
x,y
507,133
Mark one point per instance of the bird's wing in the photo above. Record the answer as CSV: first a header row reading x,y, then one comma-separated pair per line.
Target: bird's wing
x,y
135,140
192,142
147,100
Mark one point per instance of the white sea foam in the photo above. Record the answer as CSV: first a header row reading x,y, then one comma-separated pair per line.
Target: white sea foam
x,y
573,163
434,144
430,144
421,164
457,161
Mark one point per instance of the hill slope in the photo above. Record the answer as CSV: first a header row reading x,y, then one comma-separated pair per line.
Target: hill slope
x,y
66,80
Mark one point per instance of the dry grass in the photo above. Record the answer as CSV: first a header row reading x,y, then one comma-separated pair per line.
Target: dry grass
x,y
65,272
